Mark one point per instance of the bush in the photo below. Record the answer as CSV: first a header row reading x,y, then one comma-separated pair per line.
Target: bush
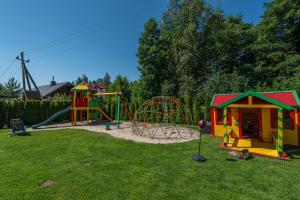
x,y
31,112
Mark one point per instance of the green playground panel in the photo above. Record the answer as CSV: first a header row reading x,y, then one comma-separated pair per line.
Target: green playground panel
x,y
94,103
94,115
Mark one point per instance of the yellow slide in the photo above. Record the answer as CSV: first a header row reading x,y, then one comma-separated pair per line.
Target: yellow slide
x,y
104,114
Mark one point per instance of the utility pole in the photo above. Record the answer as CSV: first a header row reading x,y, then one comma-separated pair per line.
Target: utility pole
x,y
26,77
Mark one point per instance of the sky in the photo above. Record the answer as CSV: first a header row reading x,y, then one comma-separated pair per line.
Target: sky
x,y
68,38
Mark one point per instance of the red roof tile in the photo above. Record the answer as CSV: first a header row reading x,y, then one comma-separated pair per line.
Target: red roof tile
x,y
287,98
220,99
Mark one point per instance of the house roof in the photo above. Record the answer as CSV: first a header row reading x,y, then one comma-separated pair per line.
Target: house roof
x,y
31,94
99,86
49,89
284,99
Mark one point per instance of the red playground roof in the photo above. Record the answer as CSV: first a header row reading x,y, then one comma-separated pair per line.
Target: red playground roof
x,y
289,98
223,98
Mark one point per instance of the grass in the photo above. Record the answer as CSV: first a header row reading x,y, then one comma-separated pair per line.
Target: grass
x,y
87,165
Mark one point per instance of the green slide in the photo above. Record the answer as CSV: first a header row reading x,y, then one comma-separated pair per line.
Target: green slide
x,y
50,119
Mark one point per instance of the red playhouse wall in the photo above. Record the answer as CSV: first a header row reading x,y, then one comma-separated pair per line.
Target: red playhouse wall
x,y
212,122
298,113
256,100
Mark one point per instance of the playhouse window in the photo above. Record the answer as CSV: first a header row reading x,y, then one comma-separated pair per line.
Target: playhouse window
x,y
288,118
220,116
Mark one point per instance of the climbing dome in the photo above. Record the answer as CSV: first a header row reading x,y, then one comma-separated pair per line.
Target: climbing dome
x,y
163,118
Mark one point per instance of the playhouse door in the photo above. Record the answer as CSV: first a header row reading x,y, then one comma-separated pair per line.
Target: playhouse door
x,y
250,123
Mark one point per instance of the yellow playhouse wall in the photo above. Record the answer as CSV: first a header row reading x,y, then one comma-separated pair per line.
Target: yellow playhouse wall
x,y
289,136
234,119
266,125
220,129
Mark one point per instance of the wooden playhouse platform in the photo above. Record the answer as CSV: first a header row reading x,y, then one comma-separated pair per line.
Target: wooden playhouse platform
x,y
255,147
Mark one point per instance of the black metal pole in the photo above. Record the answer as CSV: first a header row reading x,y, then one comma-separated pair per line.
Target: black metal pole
x,y
200,158
200,134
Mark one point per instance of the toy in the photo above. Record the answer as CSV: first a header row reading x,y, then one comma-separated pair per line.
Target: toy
x,y
262,122
200,158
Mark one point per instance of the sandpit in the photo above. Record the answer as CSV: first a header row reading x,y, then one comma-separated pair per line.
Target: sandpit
x,y
125,132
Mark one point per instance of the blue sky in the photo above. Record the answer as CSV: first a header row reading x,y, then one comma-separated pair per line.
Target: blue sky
x,y
93,36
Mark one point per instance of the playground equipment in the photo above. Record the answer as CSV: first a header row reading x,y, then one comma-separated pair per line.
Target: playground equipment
x,y
87,101
163,117
86,98
50,119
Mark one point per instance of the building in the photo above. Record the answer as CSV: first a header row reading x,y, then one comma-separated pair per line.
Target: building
x,y
100,87
49,91
262,122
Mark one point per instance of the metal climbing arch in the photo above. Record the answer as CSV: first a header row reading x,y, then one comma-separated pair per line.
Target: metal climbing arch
x,y
163,118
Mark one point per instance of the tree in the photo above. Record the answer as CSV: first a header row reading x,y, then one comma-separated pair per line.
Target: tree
x,y
197,50
152,59
120,84
222,83
188,20
168,88
12,88
281,23
82,79
284,84
2,89
100,81
278,42
196,109
229,45
106,79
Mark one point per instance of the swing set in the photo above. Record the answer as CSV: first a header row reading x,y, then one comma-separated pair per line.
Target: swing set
x,y
86,98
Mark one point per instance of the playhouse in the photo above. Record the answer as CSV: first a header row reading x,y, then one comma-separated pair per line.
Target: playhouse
x,y
265,123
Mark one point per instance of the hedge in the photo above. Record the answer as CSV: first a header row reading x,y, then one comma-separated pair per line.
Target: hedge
x,y
31,112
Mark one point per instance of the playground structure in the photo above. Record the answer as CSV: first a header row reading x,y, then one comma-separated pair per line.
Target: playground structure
x,y
158,118
86,101
163,118
265,123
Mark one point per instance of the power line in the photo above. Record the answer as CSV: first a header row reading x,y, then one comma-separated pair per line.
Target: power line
x,y
58,52
7,68
62,40
13,74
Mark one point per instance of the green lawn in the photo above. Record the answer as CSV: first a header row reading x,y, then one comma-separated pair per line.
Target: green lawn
x,y
87,165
